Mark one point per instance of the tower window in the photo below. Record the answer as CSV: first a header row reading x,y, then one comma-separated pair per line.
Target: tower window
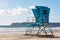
x,y
45,12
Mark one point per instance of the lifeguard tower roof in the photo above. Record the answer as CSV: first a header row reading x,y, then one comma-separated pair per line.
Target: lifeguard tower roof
x,y
41,7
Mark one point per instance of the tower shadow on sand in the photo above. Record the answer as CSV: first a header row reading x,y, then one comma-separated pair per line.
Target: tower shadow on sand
x,y
42,36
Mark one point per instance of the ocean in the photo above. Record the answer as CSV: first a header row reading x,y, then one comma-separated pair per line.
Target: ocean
x,y
21,29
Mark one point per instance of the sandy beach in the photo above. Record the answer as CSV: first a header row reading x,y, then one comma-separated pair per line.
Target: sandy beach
x,y
22,36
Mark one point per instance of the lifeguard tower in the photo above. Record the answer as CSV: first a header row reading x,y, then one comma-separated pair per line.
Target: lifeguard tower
x,y
41,14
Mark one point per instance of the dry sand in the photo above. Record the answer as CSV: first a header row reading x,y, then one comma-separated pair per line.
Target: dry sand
x,y
22,36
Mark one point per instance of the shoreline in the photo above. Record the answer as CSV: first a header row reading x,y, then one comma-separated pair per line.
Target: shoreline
x,y
23,29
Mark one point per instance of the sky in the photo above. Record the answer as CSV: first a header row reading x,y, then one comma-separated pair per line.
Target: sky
x,y
12,11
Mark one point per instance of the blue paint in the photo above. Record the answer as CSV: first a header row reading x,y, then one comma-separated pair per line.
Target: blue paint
x,y
41,14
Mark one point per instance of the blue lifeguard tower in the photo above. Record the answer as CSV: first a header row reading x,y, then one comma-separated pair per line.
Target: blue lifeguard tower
x,y
41,14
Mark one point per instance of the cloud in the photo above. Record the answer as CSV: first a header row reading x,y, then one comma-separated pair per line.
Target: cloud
x,y
14,11
32,7
19,14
